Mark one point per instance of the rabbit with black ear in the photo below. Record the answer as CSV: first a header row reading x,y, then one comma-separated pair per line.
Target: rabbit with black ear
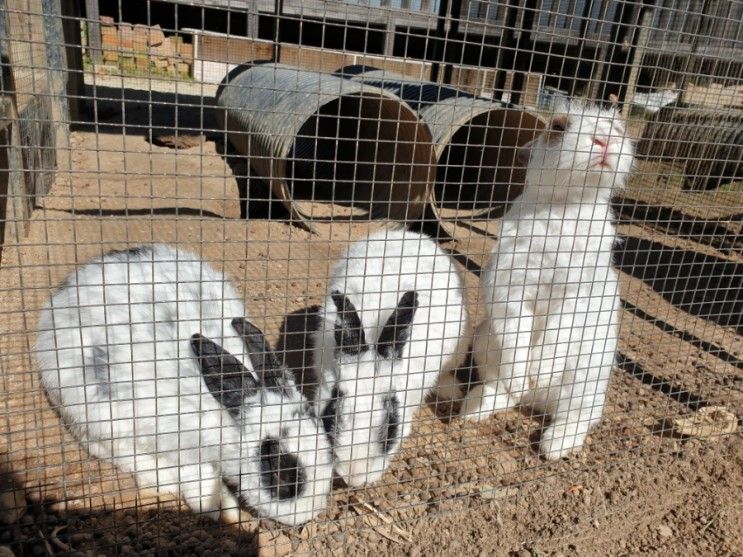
x,y
393,319
144,355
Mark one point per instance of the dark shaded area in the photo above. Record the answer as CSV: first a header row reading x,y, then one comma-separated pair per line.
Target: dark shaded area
x,y
37,528
709,347
700,284
680,395
147,113
179,211
154,114
711,232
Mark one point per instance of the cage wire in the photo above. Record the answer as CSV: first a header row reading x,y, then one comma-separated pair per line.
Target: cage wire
x,y
274,153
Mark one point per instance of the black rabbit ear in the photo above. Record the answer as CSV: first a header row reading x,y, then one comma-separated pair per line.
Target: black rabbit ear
x,y
259,351
349,332
396,331
225,376
264,360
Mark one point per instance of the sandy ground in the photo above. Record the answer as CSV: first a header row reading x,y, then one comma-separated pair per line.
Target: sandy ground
x,y
455,488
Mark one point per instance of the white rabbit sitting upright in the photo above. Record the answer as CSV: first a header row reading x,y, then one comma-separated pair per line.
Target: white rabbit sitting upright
x,y
149,361
550,289
393,319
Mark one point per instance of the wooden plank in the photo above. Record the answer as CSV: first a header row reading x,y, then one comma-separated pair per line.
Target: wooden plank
x,y
74,56
329,10
637,58
93,17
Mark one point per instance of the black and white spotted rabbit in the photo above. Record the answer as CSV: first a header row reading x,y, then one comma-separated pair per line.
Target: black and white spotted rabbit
x,y
148,359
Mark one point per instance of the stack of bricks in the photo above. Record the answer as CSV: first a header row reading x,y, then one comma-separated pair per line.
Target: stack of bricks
x,y
144,49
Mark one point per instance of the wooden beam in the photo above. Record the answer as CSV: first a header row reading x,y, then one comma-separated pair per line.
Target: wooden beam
x,y
634,74
93,16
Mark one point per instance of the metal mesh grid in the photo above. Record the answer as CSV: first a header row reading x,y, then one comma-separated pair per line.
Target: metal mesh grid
x,y
265,139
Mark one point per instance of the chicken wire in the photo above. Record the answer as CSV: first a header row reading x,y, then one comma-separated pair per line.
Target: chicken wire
x,y
267,138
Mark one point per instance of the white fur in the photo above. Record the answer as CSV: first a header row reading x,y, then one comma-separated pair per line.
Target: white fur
x,y
550,289
374,273
114,355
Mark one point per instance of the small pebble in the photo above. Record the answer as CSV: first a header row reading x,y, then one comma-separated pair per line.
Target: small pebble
x,y
665,531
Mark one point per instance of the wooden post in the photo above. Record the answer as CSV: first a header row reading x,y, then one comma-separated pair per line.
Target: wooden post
x,y
634,74
252,20
389,36
524,51
613,77
74,56
93,17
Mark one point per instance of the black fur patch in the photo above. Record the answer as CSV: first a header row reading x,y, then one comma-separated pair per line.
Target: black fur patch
x,y
98,364
390,428
225,376
266,364
281,473
329,416
349,332
396,331
130,252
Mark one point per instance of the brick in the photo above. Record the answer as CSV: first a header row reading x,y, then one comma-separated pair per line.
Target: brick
x,y
106,21
140,35
142,62
183,68
110,56
109,38
156,36
126,36
166,49
128,64
185,50
161,62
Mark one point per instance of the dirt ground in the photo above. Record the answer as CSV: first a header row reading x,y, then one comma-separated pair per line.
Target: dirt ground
x,y
455,488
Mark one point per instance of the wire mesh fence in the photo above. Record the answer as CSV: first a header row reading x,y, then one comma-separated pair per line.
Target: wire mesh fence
x,y
385,277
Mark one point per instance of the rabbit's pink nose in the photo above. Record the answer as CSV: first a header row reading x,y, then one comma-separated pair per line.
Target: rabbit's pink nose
x,y
600,142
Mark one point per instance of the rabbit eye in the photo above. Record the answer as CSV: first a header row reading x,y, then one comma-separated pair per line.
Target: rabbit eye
x,y
281,473
559,124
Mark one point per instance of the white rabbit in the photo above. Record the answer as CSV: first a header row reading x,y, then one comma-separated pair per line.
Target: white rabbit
x,y
127,350
393,319
550,289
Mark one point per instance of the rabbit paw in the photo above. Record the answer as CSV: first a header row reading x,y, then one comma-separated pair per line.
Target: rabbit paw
x,y
482,401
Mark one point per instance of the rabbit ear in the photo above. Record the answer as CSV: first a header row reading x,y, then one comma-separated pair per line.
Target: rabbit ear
x,y
523,153
259,351
225,376
397,329
264,360
349,332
